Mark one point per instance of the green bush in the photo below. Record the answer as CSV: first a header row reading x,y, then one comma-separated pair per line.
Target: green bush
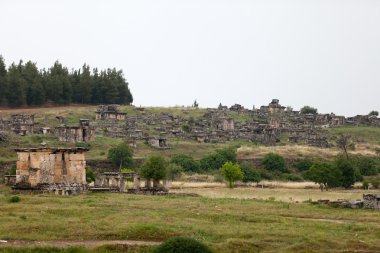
x,y
217,159
90,175
14,199
368,166
251,174
182,245
365,185
303,164
274,162
83,145
12,171
37,139
186,162
375,183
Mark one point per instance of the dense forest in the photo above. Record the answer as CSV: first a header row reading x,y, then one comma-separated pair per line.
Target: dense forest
x,y
24,84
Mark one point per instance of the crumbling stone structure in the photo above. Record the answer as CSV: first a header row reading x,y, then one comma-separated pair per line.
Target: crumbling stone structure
x,y
21,124
110,112
157,142
82,133
116,181
371,201
59,170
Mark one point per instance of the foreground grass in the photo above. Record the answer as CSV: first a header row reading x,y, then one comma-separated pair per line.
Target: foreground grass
x,y
225,224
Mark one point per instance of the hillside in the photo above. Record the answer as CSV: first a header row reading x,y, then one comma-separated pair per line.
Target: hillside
x,y
368,138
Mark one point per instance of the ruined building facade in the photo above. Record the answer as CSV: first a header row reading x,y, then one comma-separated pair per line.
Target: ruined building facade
x,y
110,112
21,124
82,133
62,170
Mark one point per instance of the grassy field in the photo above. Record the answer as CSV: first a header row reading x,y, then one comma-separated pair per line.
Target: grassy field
x,y
360,134
280,194
298,151
225,223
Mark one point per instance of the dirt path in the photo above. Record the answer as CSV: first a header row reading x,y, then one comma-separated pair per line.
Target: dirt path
x,y
67,243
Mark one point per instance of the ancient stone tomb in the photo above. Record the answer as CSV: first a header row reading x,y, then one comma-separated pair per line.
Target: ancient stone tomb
x,y
60,170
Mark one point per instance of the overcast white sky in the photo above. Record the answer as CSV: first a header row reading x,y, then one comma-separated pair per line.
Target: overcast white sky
x,y
323,53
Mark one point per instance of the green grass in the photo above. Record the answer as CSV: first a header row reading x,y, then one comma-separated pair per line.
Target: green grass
x,y
227,225
360,134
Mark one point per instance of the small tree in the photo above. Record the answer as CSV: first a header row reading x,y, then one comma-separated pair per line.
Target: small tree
x,y
154,168
373,113
325,175
274,162
195,104
344,142
308,109
173,170
231,173
121,155
347,170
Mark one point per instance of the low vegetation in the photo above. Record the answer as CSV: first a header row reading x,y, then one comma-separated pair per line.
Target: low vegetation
x,y
224,225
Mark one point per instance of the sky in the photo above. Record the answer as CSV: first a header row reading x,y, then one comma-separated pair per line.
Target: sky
x,y
322,53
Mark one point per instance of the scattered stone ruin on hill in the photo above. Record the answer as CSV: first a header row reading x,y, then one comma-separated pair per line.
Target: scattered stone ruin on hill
x,y
21,124
110,112
59,170
82,133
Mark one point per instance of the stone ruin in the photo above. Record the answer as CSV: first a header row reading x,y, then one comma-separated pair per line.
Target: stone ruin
x,y
21,124
116,181
59,170
110,112
157,142
370,201
82,133
129,182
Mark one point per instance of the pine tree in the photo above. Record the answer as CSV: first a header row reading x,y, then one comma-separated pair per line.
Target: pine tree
x,y
16,95
85,85
3,84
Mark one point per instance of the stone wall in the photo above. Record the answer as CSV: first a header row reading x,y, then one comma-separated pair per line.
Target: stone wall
x,y
42,167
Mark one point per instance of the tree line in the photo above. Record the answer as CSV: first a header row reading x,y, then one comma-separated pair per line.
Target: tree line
x,y
24,84
342,171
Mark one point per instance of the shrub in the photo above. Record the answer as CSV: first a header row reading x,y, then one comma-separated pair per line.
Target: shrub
x,y
182,245
36,138
212,161
12,171
186,128
291,177
90,175
251,174
367,166
173,171
14,199
303,164
308,109
365,185
274,162
216,159
349,175
375,183
83,145
186,162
